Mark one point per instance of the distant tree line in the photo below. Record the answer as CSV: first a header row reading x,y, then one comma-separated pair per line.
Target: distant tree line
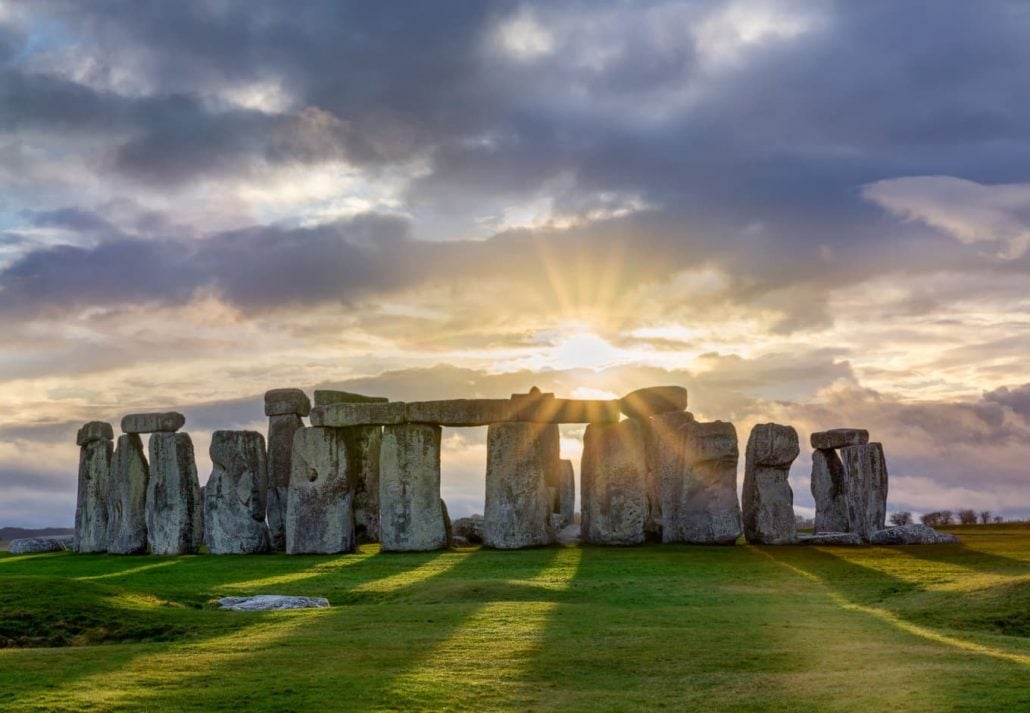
x,y
943,518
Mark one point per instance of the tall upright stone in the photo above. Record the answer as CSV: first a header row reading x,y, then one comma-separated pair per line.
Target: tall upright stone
x,y
829,491
127,499
235,495
320,512
614,484
174,525
566,506
865,478
521,459
91,514
697,472
662,445
768,501
285,409
409,489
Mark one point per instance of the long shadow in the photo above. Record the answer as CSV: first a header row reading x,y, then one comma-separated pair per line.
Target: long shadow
x,y
968,558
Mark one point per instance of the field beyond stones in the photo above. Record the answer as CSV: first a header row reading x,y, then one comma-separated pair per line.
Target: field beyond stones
x,y
943,627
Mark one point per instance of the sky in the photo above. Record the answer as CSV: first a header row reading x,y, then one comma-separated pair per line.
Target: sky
x,y
811,213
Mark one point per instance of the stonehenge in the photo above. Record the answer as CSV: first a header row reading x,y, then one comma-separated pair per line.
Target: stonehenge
x,y
368,469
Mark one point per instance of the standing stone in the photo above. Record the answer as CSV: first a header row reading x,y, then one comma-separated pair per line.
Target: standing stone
x,y
566,492
94,481
234,497
829,492
127,501
865,479
697,471
768,502
409,489
174,525
662,444
320,516
614,484
280,447
521,459
283,402
363,446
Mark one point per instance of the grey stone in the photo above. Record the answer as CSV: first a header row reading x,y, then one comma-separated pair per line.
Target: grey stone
x,y
459,541
345,415
661,435
913,534
328,397
91,504
654,400
448,531
283,402
459,412
831,539
363,446
235,497
174,525
409,489
839,437
127,498
829,492
167,422
696,466
614,484
544,408
470,528
767,500
94,431
865,480
566,505
38,545
320,514
521,458
571,535
272,602
280,450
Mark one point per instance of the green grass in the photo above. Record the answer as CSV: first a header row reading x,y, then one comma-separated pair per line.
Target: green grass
x,y
659,627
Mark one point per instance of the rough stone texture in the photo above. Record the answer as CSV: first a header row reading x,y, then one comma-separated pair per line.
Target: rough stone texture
x,y
167,422
94,431
459,412
280,450
661,433
174,525
829,492
127,498
320,514
571,535
696,466
654,400
566,505
614,484
272,602
544,408
91,505
767,500
37,545
865,481
471,528
235,495
459,541
328,397
409,489
831,539
839,437
283,402
521,459
363,446
914,534
345,415
448,530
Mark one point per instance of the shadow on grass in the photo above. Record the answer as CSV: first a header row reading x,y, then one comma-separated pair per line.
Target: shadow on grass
x,y
968,558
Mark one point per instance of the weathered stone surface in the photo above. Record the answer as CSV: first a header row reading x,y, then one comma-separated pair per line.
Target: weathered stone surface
x,y
570,536
94,431
831,539
459,412
521,458
127,498
829,492
283,402
654,400
446,522
470,528
409,489
459,541
320,514
767,501
235,495
37,545
91,505
363,446
272,602
839,437
174,525
544,408
914,534
566,491
345,415
280,450
661,433
167,422
865,481
696,465
328,397
614,484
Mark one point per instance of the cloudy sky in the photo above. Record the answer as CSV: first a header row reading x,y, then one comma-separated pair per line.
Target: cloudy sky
x,y
815,213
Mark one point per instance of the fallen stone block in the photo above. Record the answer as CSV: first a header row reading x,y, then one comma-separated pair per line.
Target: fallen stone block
x,y
831,539
345,415
653,400
39,545
328,397
767,501
913,534
167,422
470,528
127,499
272,602
282,402
94,431
839,437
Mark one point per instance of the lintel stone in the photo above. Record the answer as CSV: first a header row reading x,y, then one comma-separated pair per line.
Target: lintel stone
x,y
327,397
839,438
168,422
94,431
280,402
653,400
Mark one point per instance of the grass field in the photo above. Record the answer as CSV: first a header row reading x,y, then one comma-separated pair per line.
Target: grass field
x,y
743,628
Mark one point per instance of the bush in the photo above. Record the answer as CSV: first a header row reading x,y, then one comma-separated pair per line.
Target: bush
x,y
901,518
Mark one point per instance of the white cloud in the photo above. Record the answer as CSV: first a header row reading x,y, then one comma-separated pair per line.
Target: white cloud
x,y
522,37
